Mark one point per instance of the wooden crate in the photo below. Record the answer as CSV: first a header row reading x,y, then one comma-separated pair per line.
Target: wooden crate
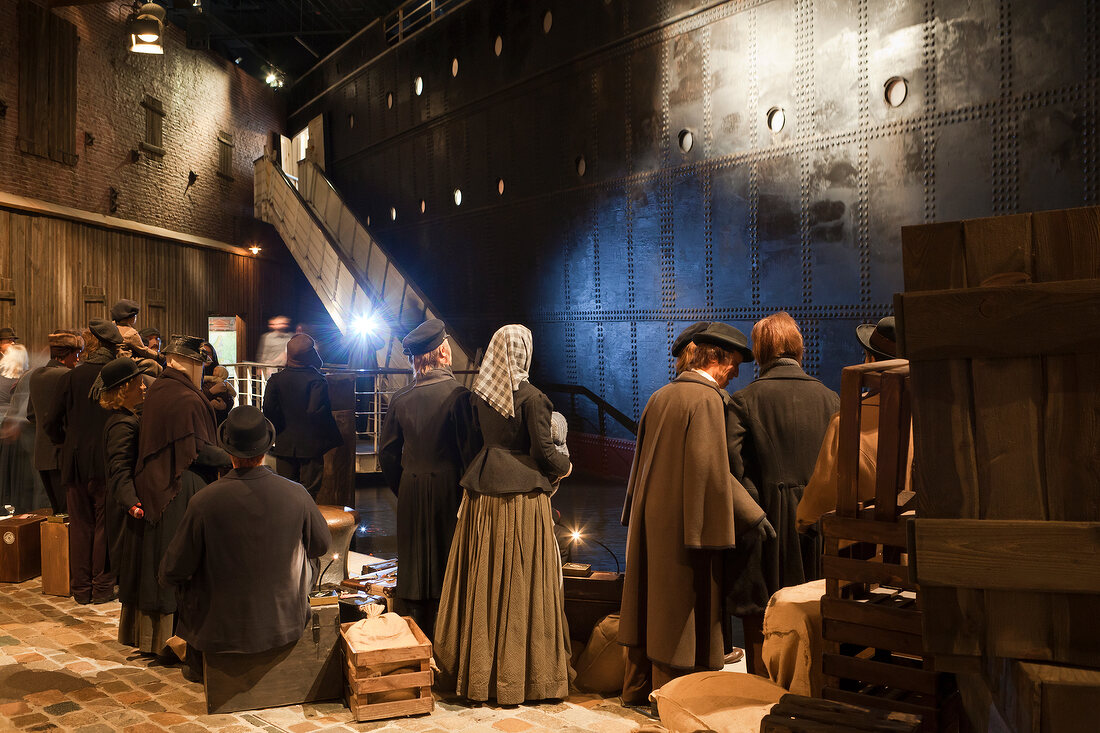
x,y
20,547
55,556
798,714
1001,322
388,671
871,615
306,671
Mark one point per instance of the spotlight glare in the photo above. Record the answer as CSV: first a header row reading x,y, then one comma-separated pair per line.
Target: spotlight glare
x,y
366,325
575,536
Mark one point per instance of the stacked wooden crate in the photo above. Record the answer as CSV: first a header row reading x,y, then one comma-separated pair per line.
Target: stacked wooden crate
x,y
1001,323
871,617
798,714
389,683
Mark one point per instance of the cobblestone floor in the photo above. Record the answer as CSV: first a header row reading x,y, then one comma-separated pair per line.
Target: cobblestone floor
x,y
61,669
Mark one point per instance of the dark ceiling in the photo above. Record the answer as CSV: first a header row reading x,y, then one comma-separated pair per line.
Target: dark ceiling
x,y
290,35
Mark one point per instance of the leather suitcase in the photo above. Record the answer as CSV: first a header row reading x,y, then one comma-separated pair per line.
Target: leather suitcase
x,y
55,556
20,548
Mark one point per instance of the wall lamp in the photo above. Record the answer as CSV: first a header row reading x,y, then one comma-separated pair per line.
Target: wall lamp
x,y
146,29
255,249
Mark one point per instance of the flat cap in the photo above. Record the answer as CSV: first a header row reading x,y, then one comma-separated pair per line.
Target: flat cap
x,y
105,331
686,337
66,338
123,309
727,337
424,338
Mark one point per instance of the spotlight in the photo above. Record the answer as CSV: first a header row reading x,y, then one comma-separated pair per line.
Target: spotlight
x,y
576,536
274,78
255,249
367,325
146,28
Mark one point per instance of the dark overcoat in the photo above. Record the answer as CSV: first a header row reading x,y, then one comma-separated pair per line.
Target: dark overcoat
x,y
680,518
776,425
76,422
421,455
296,402
45,383
240,562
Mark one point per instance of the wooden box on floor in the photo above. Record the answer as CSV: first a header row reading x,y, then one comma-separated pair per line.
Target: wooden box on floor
x,y
1000,320
20,548
871,613
798,714
306,671
389,683
55,556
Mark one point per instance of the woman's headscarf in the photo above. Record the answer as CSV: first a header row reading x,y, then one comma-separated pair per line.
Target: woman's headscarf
x,y
505,365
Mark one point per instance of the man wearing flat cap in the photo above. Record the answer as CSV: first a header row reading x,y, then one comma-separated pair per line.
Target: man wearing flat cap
x,y
240,558
421,453
44,384
124,313
684,510
297,403
177,423
76,423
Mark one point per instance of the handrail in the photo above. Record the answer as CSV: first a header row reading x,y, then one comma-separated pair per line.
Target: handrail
x,y
601,404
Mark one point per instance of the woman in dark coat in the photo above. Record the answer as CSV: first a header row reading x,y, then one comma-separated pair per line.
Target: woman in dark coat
x,y
502,632
422,461
775,430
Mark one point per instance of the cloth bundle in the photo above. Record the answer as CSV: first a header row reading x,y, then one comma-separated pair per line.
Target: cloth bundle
x,y
380,631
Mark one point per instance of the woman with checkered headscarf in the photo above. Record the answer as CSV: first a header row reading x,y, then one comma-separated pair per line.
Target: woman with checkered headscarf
x,y
501,632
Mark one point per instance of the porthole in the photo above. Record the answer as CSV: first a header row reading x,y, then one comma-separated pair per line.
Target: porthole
x,y
351,120
458,197
581,165
393,214
418,85
896,90
777,118
423,206
547,21
389,100
498,45
454,66
500,186
686,140
368,220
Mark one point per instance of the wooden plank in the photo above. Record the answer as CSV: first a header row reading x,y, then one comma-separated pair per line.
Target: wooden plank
x,y
1061,317
1009,555
996,246
872,672
866,636
389,682
933,257
882,703
847,717
894,420
1066,244
865,571
848,442
363,711
872,614
864,530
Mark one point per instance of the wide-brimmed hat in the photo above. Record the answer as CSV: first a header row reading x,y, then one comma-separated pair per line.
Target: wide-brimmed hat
x,y
124,309
301,349
119,371
727,337
8,333
246,433
686,337
106,332
879,338
188,346
424,338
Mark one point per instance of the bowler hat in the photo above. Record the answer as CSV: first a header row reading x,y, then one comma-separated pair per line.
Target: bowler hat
x,y
879,338
424,338
686,337
727,337
119,371
124,309
246,432
105,331
186,346
8,333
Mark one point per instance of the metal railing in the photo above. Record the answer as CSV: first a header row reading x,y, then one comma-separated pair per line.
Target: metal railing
x,y
413,16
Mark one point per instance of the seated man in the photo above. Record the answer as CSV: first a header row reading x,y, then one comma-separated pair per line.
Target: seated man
x,y
240,559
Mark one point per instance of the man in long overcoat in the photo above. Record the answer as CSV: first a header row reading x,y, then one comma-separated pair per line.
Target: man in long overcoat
x,y
297,403
683,510
240,558
421,456
45,381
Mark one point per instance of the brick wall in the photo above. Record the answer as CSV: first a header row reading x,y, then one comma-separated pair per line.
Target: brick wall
x,y
202,93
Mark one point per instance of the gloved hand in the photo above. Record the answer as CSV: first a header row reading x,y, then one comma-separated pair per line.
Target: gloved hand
x,y
766,529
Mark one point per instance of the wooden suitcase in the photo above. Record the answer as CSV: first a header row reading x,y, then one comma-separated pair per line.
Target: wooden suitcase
x,y
55,556
20,548
306,671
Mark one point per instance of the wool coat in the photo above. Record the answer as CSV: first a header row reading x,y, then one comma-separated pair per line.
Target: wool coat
x,y
680,519
45,382
296,402
775,430
240,562
422,454
76,421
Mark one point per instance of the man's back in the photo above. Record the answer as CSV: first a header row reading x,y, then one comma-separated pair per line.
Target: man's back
x,y
241,556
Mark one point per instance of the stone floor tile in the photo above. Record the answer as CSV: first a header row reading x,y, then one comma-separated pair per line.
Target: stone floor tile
x,y
167,719
512,725
60,708
46,697
78,718
143,728
96,728
26,721
302,727
10,709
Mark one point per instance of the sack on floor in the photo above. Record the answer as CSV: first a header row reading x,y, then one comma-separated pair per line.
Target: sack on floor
x,y
602,664
731,702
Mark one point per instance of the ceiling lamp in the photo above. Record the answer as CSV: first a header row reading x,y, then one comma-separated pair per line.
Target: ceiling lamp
x,y
274,78
146,28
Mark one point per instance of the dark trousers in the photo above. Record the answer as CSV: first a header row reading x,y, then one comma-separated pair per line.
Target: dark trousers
x,y
307,471
55,490
643,676
89,578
